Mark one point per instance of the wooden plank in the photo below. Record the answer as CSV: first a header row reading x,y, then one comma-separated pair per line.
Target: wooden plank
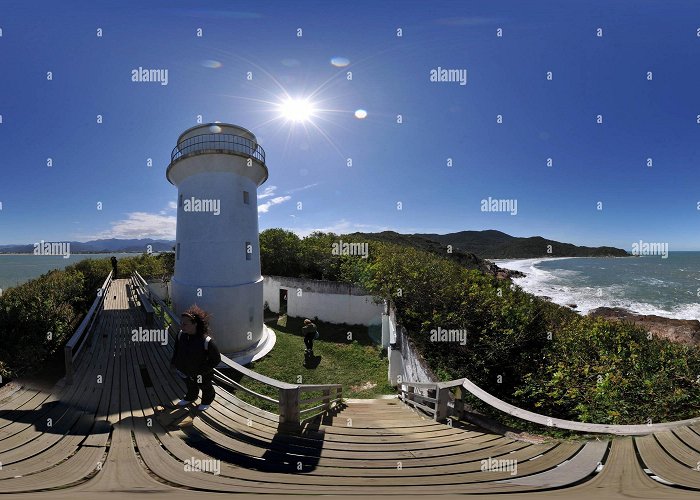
x,y
73,470
37,455
666,466
122,461
581,466
621,473
63,415
689,437
327,458
680,451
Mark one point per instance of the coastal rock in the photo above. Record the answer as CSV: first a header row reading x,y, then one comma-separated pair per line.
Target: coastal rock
x,y
572,306
502,273
686,331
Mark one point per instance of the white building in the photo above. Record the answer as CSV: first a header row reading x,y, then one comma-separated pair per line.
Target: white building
x,y
217,169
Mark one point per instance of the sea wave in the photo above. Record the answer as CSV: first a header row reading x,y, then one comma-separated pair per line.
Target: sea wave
x,y
543,282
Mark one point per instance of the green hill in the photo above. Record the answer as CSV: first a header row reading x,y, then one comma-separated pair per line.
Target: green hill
x,y
491,244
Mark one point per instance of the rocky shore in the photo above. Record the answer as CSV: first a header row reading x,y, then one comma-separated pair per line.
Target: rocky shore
x,y
685,331
502,273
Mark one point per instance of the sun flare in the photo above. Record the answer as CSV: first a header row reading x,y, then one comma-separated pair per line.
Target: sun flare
x,y
297,110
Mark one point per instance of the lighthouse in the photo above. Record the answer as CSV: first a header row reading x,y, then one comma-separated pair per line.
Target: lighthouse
x,y
217,168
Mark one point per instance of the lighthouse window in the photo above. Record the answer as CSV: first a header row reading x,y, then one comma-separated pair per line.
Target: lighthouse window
x,y
178,252
180,200
248,250
246,197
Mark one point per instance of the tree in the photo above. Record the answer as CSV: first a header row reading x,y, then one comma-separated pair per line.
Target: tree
x,y
280,252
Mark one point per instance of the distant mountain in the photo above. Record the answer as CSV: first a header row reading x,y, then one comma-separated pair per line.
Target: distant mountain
x,y
467,259
102,246
491,244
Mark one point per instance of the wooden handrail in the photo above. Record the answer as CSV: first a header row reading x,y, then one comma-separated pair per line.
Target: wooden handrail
x,y
443,394
421,385
628,430
85,326
309,387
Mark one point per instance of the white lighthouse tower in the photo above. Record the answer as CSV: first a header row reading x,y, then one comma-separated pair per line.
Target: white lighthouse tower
x,y
217,168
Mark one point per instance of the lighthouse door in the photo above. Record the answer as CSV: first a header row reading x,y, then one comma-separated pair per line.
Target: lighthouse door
x,y
283,301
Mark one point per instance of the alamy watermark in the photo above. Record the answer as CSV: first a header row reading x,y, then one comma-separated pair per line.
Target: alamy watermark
x,y
448,335
448,75
52,248
499,465
149,75
500,205
203,465
646,248
193,204
143,335
344,248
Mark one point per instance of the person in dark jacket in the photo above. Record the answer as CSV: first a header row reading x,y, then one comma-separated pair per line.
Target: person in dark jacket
x,y
309,331
195,357
114,267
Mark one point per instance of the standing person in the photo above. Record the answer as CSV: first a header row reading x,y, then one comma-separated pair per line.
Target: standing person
x,y
195,357
114,267
310,332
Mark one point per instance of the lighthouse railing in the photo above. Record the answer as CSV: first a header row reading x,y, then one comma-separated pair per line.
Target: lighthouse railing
x,y
214,143
290,400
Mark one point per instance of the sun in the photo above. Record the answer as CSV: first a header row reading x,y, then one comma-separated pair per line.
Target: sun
x,y
297,110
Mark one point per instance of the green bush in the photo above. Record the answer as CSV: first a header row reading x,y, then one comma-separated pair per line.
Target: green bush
x,y
609,372
37,318
147,265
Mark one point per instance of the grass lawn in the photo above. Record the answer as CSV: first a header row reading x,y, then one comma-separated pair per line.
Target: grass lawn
x,y
356,363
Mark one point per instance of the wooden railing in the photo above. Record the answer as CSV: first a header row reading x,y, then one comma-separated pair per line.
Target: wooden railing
x,y
289,396
439,401
78,340
444,405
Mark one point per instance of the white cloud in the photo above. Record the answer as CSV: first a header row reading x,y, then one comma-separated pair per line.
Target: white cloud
x,y
263,209
267,192
171,206
303,187
141,225
342,226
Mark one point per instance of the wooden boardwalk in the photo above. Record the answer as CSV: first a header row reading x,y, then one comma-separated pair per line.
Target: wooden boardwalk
x,y
99,437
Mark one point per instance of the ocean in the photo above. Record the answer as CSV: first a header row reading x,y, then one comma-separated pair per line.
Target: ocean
x,y
18,269
644,285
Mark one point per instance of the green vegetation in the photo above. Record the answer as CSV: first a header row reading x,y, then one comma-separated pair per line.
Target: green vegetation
x,y
38,317
283,253
522,349
357,364
497,245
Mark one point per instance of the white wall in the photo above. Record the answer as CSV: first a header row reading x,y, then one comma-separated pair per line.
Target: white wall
x,y
405,360
327,300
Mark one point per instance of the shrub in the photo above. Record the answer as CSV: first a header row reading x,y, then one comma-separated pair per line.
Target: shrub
x,y
30,311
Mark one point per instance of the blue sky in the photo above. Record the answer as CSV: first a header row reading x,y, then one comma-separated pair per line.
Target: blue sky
x,y
392,162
